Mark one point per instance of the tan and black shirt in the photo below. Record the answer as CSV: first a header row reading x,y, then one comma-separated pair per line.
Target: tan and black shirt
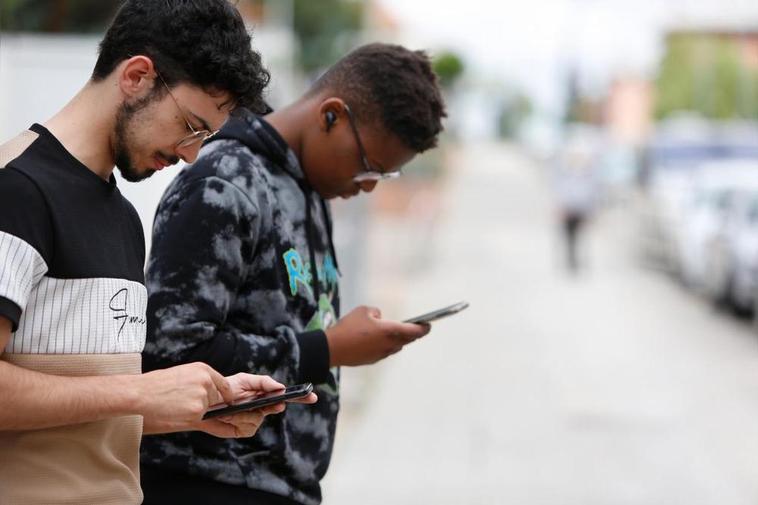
x,y
72,285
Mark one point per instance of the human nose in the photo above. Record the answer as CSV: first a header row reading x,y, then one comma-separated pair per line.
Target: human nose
x,y
189,153
367,186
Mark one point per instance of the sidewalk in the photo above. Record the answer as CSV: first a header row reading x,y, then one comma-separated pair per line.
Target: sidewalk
x,y
614,388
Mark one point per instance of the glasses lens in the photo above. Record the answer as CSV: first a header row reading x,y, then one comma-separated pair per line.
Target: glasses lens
x,y
191,140
375,176
367,176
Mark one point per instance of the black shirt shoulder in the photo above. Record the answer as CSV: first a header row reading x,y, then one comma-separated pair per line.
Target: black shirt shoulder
x,y
24,213
92,230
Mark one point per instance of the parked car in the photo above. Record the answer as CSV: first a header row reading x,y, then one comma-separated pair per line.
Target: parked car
x,y
674,159
730,252
740,280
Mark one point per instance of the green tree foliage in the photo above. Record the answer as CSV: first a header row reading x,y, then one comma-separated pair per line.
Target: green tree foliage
x,y
513,112
706,74
326,30
449,67
56,16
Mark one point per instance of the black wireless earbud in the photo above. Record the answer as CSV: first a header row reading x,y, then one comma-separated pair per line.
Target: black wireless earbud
x,y
331,118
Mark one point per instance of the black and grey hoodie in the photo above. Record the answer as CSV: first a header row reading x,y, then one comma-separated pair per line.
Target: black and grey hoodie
x,y
243,276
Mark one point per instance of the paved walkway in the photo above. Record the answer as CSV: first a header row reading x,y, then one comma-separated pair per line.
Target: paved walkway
x,y
613,388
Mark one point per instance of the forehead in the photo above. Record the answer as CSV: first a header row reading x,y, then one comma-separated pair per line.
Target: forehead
x,y
210,107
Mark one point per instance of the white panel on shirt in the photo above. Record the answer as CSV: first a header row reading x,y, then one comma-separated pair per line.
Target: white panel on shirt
x,y
69,316
21,267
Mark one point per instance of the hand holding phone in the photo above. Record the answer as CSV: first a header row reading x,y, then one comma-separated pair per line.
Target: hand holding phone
x,y
438,314
290,393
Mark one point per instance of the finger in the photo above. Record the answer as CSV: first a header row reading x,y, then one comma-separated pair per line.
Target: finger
x,y
311,398
246,431
392,350
250,417
218,428
236,431
245,396
427,327
374,312
277,408
418,330
407,332
401,338
222,385
251,382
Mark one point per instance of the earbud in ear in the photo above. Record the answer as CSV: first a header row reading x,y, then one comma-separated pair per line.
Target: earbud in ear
x,y
331,118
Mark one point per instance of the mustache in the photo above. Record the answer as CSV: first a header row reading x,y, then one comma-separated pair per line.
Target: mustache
x,y
171,160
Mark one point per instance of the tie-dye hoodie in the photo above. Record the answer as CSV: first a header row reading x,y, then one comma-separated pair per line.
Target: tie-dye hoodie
x,y
237,238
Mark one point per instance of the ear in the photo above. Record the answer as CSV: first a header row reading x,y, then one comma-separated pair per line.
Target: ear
x,y
330,112
136,76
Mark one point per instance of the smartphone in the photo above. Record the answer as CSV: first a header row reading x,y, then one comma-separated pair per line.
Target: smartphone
x,y
438,314
291,393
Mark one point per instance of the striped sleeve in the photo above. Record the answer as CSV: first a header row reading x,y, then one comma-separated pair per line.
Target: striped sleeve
x,y
25,242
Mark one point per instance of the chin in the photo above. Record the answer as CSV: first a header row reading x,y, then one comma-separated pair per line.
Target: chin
x,y
132,175
146,174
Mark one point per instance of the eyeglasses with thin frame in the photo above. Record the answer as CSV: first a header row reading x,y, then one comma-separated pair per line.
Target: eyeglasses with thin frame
x,y
196,135
368,173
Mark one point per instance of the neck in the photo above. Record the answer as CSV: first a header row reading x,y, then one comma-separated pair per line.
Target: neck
x,y
289,122
84,128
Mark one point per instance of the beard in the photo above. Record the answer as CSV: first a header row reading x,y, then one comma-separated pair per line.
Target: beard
x,y
126,123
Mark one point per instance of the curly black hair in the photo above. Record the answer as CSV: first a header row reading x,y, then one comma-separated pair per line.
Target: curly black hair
x,y
394,83
201,42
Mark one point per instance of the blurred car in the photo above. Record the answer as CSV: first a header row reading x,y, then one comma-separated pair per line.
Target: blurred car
x,y
670,162
742,277
674,158
730,253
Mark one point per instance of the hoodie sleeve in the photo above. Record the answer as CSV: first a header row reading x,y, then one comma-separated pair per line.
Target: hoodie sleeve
x,y
203,232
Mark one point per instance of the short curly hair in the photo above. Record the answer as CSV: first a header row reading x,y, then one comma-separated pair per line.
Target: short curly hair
x,y
393,83
200,42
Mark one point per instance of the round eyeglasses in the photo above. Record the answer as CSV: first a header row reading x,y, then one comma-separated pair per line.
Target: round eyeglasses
x,y
197,136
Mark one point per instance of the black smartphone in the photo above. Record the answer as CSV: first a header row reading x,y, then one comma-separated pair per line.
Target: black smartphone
x,y
291,393
438,314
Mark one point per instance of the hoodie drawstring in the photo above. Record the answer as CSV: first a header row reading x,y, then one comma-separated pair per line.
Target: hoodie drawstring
x,y
328,219
310,238
311,250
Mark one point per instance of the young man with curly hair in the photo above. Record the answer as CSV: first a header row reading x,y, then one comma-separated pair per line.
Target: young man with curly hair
x,y
72,293
243,273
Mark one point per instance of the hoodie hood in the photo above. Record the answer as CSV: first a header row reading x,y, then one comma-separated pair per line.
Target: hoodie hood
x,y
261,138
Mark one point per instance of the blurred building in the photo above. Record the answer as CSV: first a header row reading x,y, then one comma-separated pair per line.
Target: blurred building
x,y
628,110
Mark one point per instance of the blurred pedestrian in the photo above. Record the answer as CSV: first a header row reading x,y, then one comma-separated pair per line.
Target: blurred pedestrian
x,y
576,187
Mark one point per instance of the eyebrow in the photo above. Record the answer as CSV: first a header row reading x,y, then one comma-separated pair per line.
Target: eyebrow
x,y
203,122
231,102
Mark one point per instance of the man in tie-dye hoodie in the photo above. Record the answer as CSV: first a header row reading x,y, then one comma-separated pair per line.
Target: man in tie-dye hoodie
x,y
243,274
